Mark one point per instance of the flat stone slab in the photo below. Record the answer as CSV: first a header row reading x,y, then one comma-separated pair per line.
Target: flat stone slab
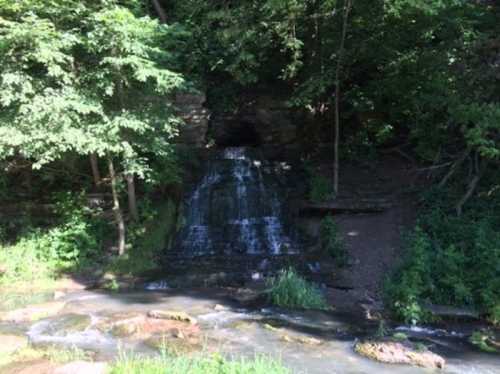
x,y
33,312
11,343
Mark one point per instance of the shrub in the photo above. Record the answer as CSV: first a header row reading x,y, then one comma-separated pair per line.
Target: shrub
x,y
290,290
450,261
331,241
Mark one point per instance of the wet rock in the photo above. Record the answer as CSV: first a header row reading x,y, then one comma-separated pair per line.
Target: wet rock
x,y
59,295
68,324
112,322
292,338
157,286
400,353
180,344
82,367
127,327
220,308
33,312
141,327
12,343
172,315
307,340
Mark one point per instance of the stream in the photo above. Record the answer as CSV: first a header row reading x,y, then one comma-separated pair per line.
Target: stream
x,y
305,341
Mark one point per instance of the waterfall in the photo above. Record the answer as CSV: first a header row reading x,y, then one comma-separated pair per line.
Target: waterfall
x,y
235,208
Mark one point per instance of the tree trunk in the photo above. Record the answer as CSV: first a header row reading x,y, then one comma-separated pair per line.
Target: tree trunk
x,y
132,201
336,141
347,9
160,11
95,169
120,222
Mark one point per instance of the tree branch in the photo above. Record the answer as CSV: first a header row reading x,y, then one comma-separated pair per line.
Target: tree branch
x,y
472,186
454,168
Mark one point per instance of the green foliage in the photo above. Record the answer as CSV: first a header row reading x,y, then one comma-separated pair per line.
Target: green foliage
x,y
482,339
481,123
494,314
331,241
450,261
214,364
45,253
290,290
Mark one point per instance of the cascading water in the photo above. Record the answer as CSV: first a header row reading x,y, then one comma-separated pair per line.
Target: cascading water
x,y
235,209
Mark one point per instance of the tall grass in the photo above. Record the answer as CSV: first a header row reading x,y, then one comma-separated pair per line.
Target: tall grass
x,y
290,290
215,364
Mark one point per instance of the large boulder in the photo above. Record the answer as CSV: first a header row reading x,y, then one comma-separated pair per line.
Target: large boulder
x,y
391,352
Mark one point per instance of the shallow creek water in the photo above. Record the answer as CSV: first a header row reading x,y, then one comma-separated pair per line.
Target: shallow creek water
x,y
306,342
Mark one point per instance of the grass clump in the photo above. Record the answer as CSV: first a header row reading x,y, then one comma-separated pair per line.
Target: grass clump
x,y
290,290
214,364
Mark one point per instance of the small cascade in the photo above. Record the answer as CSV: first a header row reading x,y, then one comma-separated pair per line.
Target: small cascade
x,y
235,209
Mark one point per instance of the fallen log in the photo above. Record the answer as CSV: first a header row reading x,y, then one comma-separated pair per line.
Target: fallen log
x,y
346,205
452,312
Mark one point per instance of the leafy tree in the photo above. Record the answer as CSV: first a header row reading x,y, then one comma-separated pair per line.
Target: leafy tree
x,y
89,81
124,74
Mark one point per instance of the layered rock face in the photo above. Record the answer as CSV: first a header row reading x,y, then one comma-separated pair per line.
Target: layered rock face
x,y
195,116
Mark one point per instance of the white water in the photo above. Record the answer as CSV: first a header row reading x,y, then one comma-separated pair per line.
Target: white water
x,y
249,220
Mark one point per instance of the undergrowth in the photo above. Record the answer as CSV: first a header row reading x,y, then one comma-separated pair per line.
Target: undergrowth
x,y
79,239
320,188
331,241
290,290
41,254
148,238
